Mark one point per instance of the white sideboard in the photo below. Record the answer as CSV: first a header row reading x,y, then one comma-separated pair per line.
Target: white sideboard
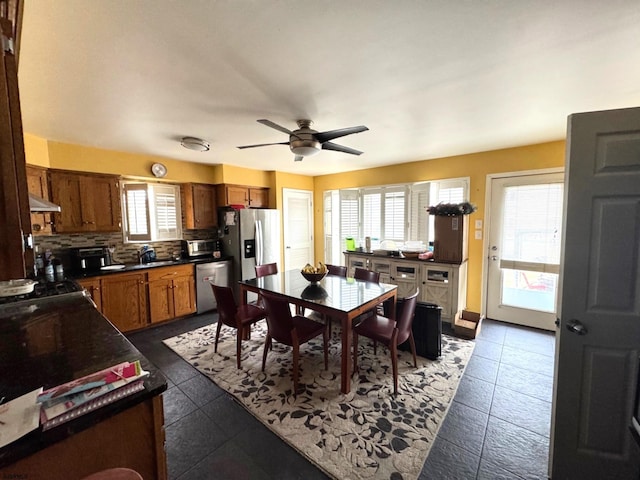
x,y
444,284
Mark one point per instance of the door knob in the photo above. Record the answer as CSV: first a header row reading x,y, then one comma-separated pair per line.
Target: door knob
x,y
494,257
575,326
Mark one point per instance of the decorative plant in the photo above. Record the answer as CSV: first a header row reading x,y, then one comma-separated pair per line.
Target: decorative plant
x,y
451,209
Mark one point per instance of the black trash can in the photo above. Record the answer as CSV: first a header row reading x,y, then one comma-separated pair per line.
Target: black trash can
x,y
427,330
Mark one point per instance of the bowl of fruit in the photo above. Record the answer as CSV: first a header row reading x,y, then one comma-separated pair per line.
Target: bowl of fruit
x,y
314,274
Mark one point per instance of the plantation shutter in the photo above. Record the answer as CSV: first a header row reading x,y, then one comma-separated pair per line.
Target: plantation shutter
x,y
372,215
349,215
394,215
137,219
166,211
418,216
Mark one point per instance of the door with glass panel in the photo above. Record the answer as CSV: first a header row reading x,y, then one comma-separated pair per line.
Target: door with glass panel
x,y
524,249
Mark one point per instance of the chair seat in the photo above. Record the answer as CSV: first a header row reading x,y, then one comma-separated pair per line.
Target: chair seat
x,y
250,313
307,328
377,328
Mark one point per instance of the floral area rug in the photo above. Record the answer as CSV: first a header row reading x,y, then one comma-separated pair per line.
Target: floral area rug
x,y
366,434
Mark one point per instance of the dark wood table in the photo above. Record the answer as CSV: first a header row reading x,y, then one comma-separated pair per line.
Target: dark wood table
x,y
338,297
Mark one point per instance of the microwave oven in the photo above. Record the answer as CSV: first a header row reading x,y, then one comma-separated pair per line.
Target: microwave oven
x,y
200,248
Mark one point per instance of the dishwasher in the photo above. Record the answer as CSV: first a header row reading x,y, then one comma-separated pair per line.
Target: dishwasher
x,y
217,273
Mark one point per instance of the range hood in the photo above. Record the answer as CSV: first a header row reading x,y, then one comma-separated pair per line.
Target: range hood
x,y
37,204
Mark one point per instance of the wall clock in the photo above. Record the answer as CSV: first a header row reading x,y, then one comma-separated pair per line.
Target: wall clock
x,y
158,170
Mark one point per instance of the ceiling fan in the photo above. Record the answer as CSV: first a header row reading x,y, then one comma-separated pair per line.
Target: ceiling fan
x,y
305,141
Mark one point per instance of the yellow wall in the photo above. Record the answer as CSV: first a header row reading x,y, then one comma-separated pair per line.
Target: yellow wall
x,y
476,166
36,150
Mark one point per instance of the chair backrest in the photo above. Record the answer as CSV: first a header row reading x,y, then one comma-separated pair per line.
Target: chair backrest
x,y
226,304
404,321
279,319
338,270
266,269
367,275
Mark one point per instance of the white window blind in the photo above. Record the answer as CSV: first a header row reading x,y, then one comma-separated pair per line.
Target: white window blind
x,y
372,215
166,211
349,215
418,216
394,216
137,206
151,212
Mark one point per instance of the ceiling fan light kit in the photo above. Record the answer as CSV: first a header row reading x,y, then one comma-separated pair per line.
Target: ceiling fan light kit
x,y
305,141
195,144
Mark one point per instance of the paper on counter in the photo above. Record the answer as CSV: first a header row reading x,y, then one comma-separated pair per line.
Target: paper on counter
x,y
19,416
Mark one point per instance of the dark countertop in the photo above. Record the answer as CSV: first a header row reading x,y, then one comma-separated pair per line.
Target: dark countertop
x,y
134,267
55,340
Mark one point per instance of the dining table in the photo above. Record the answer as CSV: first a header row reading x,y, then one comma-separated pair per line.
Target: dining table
x,y
337,297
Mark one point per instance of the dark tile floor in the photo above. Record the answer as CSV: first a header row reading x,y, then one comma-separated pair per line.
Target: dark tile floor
x,y
497,426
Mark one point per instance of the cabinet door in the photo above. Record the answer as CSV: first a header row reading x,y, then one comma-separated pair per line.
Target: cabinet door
x,y
199,205
92,286
259,197
355,261
65,191
124,300
236,195
100,204
184,295
37,183
160,300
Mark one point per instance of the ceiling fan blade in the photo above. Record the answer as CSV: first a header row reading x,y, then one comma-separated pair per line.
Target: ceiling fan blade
x,y
341,132
262,145
269,123
298,158
340,148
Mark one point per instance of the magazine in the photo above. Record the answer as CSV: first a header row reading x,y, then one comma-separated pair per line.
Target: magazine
x,y
116,373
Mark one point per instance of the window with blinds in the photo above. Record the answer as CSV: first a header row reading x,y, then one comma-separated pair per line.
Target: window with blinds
x,y
151,212
394,212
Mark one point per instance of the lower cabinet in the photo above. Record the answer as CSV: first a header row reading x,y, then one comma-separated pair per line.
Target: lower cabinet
x,y
171,292
124,300
135,300
444,284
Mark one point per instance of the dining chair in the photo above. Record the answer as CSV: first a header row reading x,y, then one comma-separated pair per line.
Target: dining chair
x,y
292,330
240,317
266,269
390,333
339,270
366,275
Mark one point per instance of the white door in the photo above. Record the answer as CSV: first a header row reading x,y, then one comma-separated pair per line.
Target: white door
x,y
525,227
598,339
298,228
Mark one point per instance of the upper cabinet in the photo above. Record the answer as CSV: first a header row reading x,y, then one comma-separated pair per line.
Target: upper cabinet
x,y
38,184
250,197
88,202
199,205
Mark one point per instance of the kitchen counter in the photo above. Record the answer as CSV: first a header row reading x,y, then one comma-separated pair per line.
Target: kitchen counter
x,y
58,339
133,267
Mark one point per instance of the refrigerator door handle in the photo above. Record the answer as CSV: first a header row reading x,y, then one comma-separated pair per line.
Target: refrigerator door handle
x,y
259,243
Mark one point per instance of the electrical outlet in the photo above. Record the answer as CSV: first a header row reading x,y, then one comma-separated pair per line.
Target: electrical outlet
x,y
478,224
478,234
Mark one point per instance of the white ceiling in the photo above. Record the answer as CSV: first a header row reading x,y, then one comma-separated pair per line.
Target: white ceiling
x,y
429,78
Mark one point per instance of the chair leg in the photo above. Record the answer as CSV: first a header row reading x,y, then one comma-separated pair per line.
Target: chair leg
x,y
355,352
239,334
394,359
325,341
413,349
375,347
218,328
296,361
267,346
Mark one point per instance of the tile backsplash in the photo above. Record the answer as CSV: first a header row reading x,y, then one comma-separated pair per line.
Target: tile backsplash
x,y
124,252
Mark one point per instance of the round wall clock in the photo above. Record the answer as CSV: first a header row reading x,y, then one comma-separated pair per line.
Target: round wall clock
x,y
158,170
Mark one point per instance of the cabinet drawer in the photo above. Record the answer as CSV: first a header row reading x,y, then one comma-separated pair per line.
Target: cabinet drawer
x,y
167,273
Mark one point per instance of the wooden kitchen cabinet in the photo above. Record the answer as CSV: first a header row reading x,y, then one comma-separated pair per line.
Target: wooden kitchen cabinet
x,y
124,300
88,202
93,288
250,197
199,205
38,184
172,292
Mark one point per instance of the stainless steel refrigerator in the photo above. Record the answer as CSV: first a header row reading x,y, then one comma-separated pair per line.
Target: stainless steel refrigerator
x,y
252,237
